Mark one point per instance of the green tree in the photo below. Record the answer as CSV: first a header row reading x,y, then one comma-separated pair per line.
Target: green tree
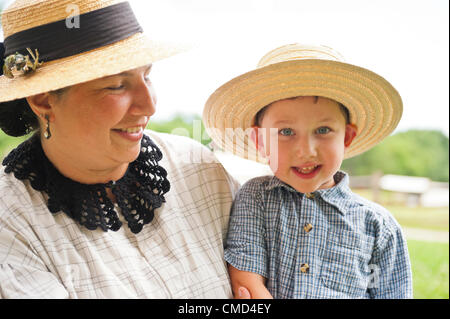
x,y
181,124
413,153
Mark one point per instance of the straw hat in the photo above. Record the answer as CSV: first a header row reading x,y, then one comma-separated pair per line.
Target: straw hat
x,y
374,105
77,41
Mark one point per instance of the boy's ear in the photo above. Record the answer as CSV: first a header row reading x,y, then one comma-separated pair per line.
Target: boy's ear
x,y
41,104
350,133
257,137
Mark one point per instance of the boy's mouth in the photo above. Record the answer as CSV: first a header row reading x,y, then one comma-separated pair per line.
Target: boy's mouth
x,y
306,171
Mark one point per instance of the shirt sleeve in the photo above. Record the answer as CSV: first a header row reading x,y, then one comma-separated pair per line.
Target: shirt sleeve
x,y
391,267
245,246
22,273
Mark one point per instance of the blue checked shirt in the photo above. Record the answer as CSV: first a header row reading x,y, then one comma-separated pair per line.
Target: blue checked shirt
x,y
328,244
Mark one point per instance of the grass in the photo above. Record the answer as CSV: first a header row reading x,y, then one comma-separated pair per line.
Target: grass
x,y
432,218
429,260
7,143
430,268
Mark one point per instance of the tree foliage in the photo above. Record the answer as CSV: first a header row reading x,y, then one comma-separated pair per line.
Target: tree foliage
x,y
413,153
186,125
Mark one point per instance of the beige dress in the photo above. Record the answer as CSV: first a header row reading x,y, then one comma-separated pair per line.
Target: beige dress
x,y
178,255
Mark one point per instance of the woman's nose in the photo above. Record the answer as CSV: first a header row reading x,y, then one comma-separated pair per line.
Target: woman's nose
x,y
144,100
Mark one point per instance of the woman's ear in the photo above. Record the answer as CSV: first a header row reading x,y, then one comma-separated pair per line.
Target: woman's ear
x,y
350,133
257,137
41,105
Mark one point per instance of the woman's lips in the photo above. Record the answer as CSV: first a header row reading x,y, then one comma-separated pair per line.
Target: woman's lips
x,y
132,134
307,171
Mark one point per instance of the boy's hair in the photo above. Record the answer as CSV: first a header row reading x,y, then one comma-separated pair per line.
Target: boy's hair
x,y
260,115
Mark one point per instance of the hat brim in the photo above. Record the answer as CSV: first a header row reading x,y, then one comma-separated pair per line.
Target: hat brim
x,y
375,106
127,54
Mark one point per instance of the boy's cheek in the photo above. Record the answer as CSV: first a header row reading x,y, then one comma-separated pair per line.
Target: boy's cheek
x,y
261,140
279,158
267,142
273,146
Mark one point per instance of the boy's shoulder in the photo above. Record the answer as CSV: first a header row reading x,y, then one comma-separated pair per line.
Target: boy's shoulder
x,y
255,189
376,212
259,184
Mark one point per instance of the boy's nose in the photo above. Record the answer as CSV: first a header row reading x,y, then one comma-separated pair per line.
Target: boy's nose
x,y
305,147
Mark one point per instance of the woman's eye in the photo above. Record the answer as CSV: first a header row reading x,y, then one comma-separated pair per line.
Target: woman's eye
x,y
286,132
323,130
115,88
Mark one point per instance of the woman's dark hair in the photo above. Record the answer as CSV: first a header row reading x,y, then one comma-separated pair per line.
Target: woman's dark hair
x,y
17,118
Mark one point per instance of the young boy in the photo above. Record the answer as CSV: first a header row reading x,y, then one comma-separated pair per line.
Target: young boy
x,y
302,233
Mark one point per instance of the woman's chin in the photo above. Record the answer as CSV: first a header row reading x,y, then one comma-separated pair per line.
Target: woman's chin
x,y
128,154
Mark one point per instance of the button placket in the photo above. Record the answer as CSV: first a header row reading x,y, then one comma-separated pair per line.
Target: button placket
x,y
308,216
304,268
308,227
310,195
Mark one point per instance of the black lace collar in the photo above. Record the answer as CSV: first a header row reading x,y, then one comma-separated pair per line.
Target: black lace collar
x,y
138,193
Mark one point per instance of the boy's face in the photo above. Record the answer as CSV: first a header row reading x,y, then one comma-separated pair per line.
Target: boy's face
x,y
312,136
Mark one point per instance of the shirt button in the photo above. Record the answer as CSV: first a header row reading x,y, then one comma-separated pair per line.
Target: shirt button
x,y
304,268
310,195
308,227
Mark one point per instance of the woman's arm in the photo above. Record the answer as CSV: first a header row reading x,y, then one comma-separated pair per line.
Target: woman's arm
x,y
22,272
253,282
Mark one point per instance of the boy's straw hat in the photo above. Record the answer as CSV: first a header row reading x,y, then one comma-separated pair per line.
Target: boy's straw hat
x,y
374,105
77,40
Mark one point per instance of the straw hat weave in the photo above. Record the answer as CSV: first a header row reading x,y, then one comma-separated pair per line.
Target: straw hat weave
x,y
126,54
374,105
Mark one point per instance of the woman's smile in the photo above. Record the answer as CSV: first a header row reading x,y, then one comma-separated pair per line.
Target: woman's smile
x,y
133,134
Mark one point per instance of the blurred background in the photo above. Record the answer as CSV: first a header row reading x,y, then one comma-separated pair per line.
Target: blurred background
x,y
405,41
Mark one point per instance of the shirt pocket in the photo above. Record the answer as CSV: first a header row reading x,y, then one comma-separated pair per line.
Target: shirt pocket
x,y
345,263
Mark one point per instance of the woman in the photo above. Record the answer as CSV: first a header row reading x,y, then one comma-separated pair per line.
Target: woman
x,y
93,206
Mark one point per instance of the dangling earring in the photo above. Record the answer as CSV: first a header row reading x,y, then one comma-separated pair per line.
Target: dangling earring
x,y
47,133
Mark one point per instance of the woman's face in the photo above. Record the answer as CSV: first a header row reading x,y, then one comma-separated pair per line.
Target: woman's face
x,y
100,123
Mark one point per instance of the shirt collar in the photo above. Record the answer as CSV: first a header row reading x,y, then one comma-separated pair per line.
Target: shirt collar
x,y
339,196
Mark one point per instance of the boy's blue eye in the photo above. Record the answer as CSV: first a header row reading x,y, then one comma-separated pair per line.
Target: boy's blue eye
x,y
286,132
323,130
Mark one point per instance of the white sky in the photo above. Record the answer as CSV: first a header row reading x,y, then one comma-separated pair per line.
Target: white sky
x,y
405,41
